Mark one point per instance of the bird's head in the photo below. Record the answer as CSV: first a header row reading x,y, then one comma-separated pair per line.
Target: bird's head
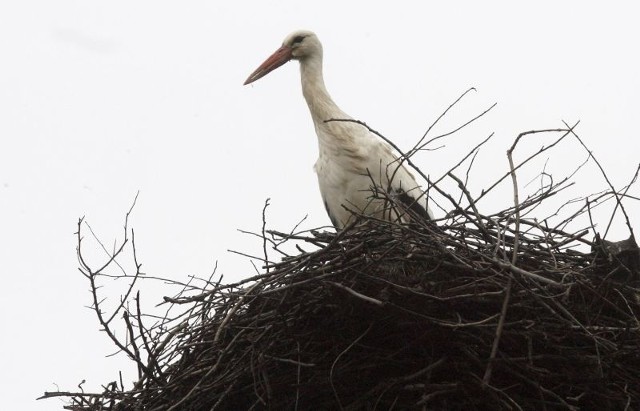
x,y
298,45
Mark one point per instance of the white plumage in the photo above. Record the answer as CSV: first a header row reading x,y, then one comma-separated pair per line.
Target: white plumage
x,y
357,171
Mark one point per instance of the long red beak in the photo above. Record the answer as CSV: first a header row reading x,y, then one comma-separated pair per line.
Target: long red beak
x,y
277,59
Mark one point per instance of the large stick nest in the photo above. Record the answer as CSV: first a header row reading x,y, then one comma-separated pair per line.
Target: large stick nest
x,y
472,312
388,318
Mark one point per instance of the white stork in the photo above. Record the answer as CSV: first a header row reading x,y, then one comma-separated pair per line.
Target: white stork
x,y
357,171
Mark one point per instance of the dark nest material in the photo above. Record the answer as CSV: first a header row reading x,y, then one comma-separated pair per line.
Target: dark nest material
x,y
472,312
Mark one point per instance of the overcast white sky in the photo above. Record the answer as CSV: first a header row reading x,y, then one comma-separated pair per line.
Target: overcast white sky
x,y
101,99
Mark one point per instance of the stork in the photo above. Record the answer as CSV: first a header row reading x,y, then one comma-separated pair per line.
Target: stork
x,y
357,171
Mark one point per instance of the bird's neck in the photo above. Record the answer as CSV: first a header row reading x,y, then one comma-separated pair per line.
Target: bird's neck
x,y
320,103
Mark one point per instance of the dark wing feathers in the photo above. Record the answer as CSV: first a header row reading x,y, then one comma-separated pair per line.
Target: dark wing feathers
x,y
412,204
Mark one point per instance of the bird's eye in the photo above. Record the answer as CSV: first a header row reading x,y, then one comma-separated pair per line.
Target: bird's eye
x,y
297,39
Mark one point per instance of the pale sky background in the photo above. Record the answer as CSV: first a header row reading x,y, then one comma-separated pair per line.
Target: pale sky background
x,y
102,99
